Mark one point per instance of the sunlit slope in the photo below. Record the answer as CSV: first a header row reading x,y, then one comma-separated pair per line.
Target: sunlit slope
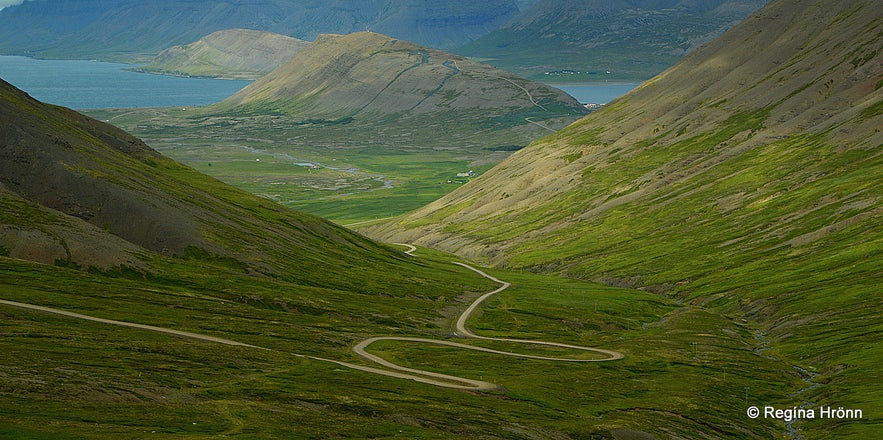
x,y
767,140
231,53
88,194
366,77
746,178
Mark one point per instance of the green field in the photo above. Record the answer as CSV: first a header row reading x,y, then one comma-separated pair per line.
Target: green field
x,y
686,372
360,173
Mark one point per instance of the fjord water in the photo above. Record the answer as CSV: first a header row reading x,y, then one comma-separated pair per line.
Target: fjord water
x,y
82,84
596,93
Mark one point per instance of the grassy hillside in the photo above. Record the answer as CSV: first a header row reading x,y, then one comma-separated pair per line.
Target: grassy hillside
x,y
744,180
69,378
591,40
231,53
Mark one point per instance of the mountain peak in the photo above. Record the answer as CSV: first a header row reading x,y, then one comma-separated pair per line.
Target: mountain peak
x,y
231,53
365,74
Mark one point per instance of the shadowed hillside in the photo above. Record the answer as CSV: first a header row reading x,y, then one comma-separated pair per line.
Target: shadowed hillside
x,y
232,54
745,179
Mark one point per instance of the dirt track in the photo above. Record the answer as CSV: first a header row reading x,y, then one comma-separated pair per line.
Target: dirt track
x,y
423,376
463,332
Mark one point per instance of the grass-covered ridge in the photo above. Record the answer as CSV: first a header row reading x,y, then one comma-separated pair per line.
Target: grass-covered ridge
x,y
230,53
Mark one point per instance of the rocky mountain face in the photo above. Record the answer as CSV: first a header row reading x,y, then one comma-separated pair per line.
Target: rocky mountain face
x,y
567,40
367,76
131,30
231,54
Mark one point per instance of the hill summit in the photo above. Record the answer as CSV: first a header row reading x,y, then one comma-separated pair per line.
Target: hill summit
x,y
231,54
367,76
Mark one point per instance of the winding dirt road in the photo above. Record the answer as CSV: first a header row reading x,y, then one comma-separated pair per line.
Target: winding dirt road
x,y
464,332
393,370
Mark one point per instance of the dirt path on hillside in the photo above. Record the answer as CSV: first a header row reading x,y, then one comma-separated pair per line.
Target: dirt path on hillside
x,y
190,335
464,332
394,370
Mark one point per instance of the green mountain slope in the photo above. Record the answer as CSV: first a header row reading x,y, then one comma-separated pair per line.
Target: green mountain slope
x,y
368,77
231,53
135,31
593,40
745,179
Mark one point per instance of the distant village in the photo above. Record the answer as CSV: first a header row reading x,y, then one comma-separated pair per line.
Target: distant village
x,y
590,106
467,175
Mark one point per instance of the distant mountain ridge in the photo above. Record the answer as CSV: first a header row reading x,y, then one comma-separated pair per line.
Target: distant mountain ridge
x,y
605,40
130,30
231,54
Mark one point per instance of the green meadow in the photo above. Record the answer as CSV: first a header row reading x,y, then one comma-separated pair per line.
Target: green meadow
x,y
686,370
347,173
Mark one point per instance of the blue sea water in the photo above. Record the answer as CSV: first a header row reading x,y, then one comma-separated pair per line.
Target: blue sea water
x,y
596,93
91,84
82,85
